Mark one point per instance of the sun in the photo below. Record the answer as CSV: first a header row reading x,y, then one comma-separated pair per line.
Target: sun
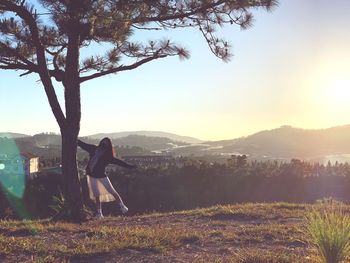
x,y
338,92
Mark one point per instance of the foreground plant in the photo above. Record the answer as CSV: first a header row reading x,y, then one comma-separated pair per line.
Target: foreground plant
x,y
329,229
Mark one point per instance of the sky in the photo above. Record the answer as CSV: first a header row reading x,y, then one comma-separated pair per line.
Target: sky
x,y
291,68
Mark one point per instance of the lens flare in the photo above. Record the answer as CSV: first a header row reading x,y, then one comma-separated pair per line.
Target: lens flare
x,y
12,175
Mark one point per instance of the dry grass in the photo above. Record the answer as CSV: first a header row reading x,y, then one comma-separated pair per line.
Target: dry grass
x,y
232,233
66,240
247,211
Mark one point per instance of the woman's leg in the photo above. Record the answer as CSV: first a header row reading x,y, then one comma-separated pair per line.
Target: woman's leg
x,y
116,195
120,202
98,206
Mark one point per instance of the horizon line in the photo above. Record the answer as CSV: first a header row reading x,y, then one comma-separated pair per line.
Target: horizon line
x,y
132,131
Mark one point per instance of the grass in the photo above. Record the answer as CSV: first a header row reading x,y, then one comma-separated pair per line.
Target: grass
x,y
241,233
274,234
263,256
246,211
255,255
84,243
329,228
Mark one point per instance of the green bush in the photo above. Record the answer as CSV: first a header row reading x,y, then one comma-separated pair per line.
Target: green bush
x,y
329,229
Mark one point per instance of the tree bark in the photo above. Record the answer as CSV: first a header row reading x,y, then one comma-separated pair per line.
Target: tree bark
x,y
70,177
70,131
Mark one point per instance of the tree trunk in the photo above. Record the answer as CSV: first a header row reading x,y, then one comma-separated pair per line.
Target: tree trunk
x,y
70,131
70,177
71,181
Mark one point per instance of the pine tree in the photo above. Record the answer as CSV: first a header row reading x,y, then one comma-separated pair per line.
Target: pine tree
x,y
45,38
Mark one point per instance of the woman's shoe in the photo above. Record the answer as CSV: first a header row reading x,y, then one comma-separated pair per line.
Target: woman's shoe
x,y
123,208
99,216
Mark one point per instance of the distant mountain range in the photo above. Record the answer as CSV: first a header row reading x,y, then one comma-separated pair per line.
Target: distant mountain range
x,y
171,136
288,142
284,142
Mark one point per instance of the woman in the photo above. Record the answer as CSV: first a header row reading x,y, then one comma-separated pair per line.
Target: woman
x,y
100,187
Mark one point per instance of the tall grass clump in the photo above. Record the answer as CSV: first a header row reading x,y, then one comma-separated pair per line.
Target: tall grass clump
x,y
329,230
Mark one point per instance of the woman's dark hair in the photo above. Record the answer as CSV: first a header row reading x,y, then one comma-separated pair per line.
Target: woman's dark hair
x,y
107,144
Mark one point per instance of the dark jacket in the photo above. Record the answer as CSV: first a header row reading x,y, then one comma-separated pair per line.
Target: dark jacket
x,y
99,169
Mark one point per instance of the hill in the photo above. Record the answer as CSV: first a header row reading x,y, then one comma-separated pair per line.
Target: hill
x,y
289,142
233,233
171,136
49,144
148,142
283,143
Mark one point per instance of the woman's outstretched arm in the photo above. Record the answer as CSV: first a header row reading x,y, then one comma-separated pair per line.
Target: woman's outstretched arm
x,y
122,163
86,146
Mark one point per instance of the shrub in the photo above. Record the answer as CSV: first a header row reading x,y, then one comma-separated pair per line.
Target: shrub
x,y
329,229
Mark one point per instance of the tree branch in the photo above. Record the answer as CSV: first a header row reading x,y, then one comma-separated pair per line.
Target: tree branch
x,y
14,66
179,15
31,65
57,73
55,55
43,71
122,68
268,4
146,28
26,73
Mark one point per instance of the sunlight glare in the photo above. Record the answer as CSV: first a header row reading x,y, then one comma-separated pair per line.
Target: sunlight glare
x,y
339,91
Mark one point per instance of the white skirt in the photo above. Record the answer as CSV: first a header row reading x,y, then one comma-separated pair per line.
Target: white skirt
x,y
102,188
